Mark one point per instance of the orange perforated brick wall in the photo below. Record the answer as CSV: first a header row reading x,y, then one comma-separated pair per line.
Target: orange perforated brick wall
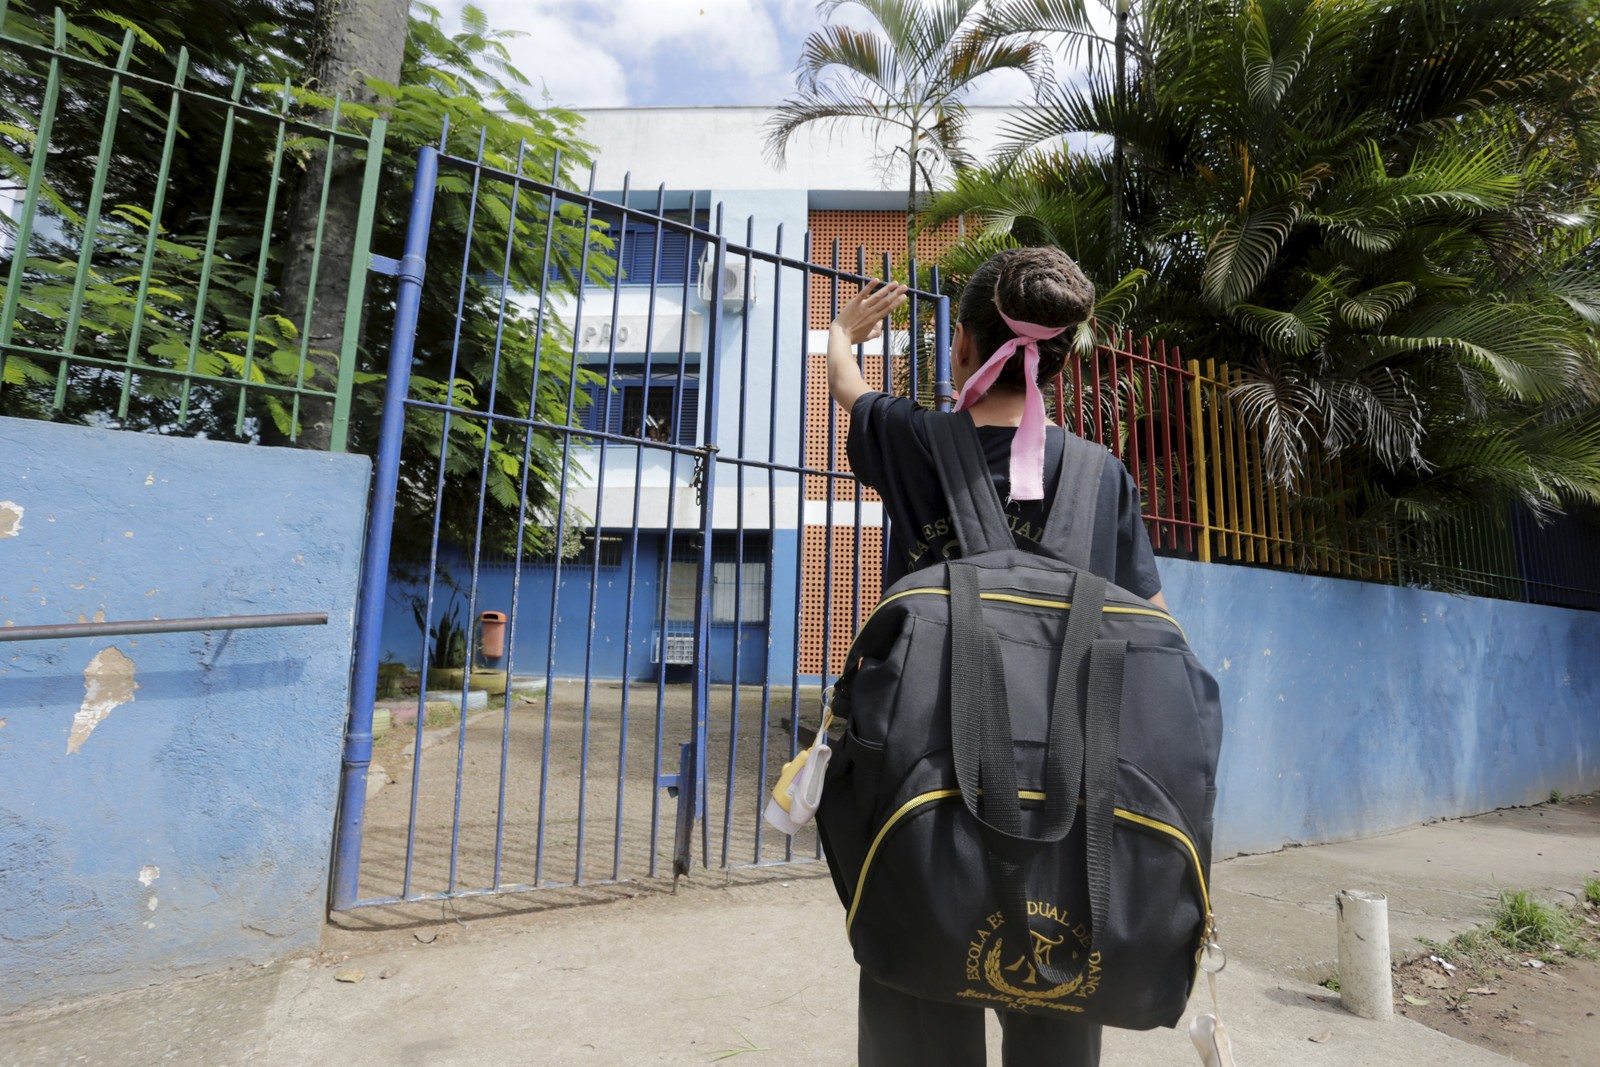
x,y
842,610
819,409
876,231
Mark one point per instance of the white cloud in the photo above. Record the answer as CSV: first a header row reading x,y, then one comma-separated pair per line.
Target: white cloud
x,y
592,55
672,39
554,53
642,52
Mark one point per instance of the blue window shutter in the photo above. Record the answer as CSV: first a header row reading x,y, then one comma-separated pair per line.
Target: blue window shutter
x,y
614,416
674,257
689,413
590,416
695,261
638,254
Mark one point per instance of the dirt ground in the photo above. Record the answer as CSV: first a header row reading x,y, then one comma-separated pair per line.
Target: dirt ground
x,y
560,793
1544,1012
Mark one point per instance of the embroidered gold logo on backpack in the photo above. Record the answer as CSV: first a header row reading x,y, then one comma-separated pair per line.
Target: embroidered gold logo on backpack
x,y
1002,971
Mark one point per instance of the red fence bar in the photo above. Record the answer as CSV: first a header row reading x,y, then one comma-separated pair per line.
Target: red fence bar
x,y
1182,391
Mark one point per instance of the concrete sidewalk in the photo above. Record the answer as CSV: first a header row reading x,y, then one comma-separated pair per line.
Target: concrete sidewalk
x,y
757,971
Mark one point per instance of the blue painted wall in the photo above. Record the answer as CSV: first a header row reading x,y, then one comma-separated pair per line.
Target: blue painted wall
x,y
753,370
570,655
191,827
1353,709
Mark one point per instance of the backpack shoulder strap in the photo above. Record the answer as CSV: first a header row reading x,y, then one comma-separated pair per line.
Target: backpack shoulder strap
x,y
1071,526
975,509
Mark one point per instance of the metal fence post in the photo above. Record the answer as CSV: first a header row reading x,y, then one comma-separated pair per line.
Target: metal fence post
x,y
693,793
349,343
944,393
380,525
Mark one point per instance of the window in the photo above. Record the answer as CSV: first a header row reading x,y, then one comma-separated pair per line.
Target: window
x,y
630,409
738,588
680,255
739,591
681,585
648,412
609,547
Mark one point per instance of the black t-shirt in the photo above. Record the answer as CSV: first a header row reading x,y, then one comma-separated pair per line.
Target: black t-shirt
x,y
889,451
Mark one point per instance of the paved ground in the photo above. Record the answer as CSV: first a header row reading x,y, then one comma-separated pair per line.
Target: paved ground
x,y
755,970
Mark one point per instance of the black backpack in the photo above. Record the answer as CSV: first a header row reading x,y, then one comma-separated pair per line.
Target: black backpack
x,y
1019,813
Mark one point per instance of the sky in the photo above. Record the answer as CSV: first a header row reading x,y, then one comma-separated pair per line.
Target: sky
x,y
656,53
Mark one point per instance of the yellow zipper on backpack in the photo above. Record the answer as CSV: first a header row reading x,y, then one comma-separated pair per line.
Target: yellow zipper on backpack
x,y
924,799
1033,602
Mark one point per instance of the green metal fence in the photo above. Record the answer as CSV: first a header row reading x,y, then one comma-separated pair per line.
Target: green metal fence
x,y
126,301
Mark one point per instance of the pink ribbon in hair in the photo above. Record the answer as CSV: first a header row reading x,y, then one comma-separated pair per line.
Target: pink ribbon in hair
x,y
1027,448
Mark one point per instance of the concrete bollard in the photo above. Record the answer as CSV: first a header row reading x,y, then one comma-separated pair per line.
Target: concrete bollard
x,y
1366,984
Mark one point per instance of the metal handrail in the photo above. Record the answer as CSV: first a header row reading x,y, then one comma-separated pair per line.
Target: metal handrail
x,y
159,626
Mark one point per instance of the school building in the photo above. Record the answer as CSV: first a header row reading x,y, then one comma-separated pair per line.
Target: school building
x,y
777,597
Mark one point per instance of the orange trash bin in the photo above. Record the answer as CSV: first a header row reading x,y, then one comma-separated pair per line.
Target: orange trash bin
x,y
492,634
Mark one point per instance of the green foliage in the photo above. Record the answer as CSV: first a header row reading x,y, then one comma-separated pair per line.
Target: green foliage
x,y
482,232
1385,213
1591,891
446,639
904,79
1524,923
239,332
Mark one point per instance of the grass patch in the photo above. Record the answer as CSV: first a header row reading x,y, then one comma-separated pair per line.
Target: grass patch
x,y
1521,926
1331,984
1524,923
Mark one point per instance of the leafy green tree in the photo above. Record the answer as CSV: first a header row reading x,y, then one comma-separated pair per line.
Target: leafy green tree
x,y
1384,211
464,79
904,80
359,46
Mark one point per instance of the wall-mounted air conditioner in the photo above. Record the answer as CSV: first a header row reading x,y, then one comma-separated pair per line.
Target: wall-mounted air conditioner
x,y
735,282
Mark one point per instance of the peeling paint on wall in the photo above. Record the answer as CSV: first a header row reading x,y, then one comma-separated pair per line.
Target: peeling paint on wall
x,y
10,518
107,682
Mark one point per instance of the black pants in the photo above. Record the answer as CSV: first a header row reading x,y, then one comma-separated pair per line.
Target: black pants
x,y
899,1030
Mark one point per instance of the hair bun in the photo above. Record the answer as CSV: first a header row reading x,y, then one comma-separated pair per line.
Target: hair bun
x,y
1042,286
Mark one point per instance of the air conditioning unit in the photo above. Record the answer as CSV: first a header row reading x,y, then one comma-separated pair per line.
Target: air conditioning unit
x,y
735,282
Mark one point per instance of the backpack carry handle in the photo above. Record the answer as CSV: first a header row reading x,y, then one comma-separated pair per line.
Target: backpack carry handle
x,y
1082,749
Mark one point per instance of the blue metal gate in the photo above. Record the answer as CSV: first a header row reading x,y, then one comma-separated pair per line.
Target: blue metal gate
x,y
653,625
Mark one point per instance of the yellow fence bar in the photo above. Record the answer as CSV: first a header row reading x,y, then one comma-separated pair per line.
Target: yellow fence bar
x,y
1197,449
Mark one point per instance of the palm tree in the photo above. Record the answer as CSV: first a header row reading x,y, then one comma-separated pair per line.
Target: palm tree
x,y
907,78
1384,210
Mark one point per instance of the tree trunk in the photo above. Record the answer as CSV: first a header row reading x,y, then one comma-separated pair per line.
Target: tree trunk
x,y
356,39
911,204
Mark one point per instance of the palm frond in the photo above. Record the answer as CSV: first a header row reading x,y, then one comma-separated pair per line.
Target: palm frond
x,y
841,48
1532,355
1279,405
1377,411
1242,252
1580,291
1372,307
825,107
1270,67
976,53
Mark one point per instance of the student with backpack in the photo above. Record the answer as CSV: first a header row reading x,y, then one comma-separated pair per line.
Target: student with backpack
x,y
1013,332
1043,289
